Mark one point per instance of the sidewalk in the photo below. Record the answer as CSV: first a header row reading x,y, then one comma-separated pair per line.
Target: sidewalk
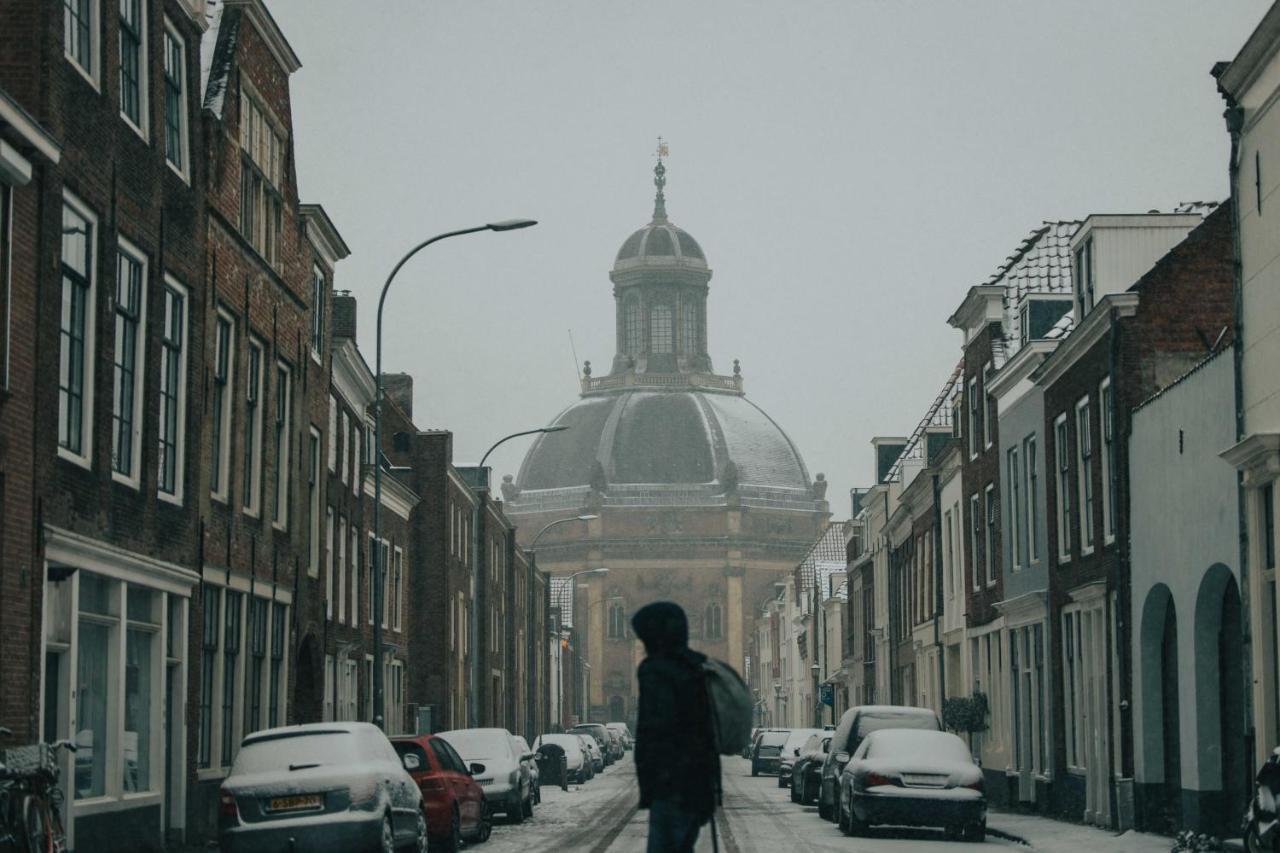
x,y
1054,836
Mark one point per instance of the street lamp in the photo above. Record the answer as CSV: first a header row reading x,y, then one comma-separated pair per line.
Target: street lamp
x,y
477,560
817,699
378,568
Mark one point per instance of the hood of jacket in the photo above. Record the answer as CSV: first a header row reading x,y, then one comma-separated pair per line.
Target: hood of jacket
x,y
662,627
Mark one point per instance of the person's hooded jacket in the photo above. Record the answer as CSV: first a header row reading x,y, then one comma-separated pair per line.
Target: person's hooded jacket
x,y
675,750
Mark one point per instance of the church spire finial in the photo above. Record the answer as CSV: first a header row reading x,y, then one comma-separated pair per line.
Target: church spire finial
x,y
660,181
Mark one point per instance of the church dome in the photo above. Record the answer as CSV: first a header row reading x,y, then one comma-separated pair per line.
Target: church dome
x,y
665,438
661,243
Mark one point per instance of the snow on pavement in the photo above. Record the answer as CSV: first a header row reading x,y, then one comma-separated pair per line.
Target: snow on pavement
x,y
1054,836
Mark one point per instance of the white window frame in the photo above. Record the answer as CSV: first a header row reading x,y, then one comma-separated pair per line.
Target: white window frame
x,y
1031,478
1015,508
225,466
328,711
328,563
1106,416
132,478
142,126
182,170
343,440
988,428
1084,474
397,588
975,522
990,523
341,569
974,403
948,555
83,457
1074,678
313,503
318,290
284,443
253,422
172,285
355,574
354,445
1062,479
93,72
333,434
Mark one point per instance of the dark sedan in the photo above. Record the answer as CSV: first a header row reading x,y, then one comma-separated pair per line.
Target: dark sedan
x,y
767,752
806,771
913,778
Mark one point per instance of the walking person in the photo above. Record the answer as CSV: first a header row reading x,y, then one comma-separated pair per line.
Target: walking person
x,y
677,765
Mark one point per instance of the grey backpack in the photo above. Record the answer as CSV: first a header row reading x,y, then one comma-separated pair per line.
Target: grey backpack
x,y
730,703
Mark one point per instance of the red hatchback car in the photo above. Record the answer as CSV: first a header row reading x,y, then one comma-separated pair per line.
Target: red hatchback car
x,y
455,804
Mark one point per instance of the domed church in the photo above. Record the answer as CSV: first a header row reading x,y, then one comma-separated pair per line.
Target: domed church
x,y
699,496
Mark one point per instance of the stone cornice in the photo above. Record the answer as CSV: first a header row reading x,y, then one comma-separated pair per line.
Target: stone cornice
x,y
260,17
1256,457
976,308
352,378
1025,608
1022,365
1259,49
396,496
22,123
67,548
323,233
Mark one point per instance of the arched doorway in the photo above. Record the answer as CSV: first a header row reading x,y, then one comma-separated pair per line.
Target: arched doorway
x,y
617,709
1220,701
1161,714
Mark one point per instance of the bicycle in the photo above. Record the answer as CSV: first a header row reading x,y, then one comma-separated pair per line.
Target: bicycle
x,y
30,799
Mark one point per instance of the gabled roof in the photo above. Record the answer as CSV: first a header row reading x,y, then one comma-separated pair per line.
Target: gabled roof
x,y
940,414
1040,264
826,556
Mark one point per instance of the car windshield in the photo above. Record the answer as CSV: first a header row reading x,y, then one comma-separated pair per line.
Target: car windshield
x,y
915,745
474,744
293,751
796,740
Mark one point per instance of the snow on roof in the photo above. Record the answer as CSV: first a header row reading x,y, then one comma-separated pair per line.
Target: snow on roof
x,y
1063,327
217,48
826,556
941,413
1040,264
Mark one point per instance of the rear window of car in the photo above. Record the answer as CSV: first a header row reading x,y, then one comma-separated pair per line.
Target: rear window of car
x,y
477,743
774,738
915,745
293,750
874,721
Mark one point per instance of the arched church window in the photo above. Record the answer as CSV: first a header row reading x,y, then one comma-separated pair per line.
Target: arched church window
x,y
689,324
617,621
660,329
631,325
713,622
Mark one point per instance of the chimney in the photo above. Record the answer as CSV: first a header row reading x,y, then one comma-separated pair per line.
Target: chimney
x,y
397,386
344,315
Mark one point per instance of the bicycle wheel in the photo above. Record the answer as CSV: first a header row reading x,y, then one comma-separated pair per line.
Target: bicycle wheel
x,y
35,823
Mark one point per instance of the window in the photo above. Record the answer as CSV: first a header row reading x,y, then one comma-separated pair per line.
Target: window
x,y
689,324
341,570
230,661
328,562
713,622
80,36
1032,497
989,415
975,417
210,597
75,333
126,396
1016,533
6,282
256,668
397,587
989,542
220,404
1062,449
313,504
975,540
1268,525
343,430
394,678
175,100
318,291
1084,474
276,678
1077,709
354,454
253,428
948,553
133,64
660,329
328,712
617,629
1084,278
1106,407
1024,323
283,409
355,575
261,171
333,433
173,389
631,324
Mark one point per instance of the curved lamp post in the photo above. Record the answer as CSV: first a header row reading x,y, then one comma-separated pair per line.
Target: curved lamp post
x,y
379,718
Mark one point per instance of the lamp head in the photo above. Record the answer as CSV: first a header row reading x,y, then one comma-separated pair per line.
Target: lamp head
x,y
587,517
557,428
511,224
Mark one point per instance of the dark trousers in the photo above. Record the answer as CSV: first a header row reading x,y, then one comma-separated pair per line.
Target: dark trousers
x,y
672,828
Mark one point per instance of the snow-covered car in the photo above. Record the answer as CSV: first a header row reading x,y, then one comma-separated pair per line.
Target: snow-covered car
x,y
855,724
767,751
577,762
913,778
593,752
320,786
624,732
806,772
790,752
505,780
601,734
530,762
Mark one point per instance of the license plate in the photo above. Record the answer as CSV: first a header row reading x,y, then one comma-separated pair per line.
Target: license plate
x,y
294,803
924,780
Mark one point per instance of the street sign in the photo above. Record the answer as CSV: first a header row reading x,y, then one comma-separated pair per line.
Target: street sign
x,y
828,695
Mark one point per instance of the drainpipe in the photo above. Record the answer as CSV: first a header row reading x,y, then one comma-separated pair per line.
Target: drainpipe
x,y
1123,582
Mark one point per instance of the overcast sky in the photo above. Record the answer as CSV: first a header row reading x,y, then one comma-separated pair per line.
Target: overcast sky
x,y
851,168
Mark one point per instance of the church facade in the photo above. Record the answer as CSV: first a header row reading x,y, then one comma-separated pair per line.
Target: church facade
x,y
693,493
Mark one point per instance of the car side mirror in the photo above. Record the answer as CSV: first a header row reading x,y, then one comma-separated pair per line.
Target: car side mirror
x,y
977,762
476,769
842,758
412,762
795,752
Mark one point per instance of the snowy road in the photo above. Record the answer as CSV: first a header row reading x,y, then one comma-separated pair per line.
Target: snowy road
x,y
758,817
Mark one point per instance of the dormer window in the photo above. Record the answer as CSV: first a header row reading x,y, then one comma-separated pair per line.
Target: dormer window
x,y
1084,278
1024,324
261,179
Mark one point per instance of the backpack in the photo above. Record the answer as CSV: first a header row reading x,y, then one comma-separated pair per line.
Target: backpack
x,y
731,707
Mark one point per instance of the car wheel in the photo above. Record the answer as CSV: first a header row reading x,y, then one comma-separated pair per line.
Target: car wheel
x,y
824,810
485,828
975,832
795,797
537,793
421,840
842,820
781,784
387,843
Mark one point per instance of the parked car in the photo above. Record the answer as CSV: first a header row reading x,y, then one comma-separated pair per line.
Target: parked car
x,y
601,734
855,725
320,786
767,751
593,752
454,802
790,752
577,760
504,779
913,778
531,765
621,728
806,772
751,744
615,744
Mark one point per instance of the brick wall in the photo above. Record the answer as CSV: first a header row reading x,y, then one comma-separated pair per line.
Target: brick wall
x,y
978,472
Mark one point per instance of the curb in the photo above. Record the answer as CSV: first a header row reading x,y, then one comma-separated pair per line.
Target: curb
x,y
1009,836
